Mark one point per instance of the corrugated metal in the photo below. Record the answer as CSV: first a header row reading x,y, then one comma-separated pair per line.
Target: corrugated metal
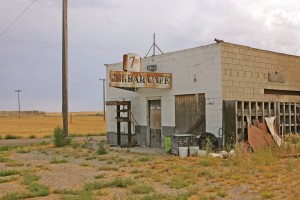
x,y
188,110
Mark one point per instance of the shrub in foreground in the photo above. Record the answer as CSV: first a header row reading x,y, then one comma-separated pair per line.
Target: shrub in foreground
x,y
59,138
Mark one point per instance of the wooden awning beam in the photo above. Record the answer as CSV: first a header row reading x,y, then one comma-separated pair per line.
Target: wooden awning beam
x,y
116,103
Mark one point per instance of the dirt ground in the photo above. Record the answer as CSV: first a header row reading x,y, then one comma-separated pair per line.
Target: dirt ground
x,y
43,172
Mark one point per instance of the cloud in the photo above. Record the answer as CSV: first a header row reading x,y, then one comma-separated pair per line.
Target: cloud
x,y
102,31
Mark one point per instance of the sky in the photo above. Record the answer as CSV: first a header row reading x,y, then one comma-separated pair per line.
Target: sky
x,y
101,31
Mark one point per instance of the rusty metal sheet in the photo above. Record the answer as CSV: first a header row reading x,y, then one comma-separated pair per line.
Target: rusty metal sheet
x,y
267,134
263,127
123,79
256,138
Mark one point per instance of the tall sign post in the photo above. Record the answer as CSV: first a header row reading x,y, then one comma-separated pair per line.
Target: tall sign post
x,y
65,68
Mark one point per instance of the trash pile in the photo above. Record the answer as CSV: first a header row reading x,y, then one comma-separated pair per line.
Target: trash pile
x,y
261,135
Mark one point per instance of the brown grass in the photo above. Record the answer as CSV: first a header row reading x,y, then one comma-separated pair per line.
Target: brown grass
x,y
122,175
82,123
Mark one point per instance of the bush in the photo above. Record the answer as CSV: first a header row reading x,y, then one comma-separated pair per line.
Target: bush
x,y
38,190
9,137
59,138
4,148
142,189
101,150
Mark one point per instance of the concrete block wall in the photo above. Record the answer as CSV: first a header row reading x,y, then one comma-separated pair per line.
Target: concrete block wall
x,y
245,73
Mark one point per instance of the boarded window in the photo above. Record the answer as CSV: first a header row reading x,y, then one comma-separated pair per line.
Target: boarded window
x,y
188,110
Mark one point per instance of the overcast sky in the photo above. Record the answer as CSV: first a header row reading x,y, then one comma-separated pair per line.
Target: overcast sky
x,y
101,31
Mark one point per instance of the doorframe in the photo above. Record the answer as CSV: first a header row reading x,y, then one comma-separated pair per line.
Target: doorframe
x,y
158,98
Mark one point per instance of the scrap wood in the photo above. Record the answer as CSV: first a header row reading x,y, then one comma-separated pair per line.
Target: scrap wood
x,y
270,124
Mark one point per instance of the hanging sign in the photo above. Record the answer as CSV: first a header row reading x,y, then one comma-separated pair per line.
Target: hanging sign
x,y
132,62
123,79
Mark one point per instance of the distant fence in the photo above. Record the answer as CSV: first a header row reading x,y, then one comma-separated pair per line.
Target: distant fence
x,y
12,113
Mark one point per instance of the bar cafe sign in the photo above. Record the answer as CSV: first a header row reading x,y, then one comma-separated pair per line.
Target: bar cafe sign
x,y
131,77
124,79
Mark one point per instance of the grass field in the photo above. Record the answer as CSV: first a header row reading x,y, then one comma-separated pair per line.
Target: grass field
x,y
80,123
75,172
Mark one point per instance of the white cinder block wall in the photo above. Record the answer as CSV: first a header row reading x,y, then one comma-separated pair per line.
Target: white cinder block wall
x,y
201,63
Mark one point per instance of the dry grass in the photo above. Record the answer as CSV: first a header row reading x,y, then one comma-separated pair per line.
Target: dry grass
x,y
260,175
80,123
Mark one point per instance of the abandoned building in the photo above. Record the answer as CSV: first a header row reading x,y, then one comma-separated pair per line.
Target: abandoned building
x,y
210,88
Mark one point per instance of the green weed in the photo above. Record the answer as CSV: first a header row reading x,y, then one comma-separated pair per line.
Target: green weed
x,y
38,190
9,137
122,182
57,160
7,179
8,172
142,189
30,178
101,149
178,182
267,194
144,158
60,139
5,148
99,176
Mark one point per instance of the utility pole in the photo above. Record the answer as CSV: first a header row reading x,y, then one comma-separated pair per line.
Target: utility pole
x,y
18,91
103,83
65,67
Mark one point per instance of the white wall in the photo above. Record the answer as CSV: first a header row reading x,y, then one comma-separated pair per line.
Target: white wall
x,y
202,63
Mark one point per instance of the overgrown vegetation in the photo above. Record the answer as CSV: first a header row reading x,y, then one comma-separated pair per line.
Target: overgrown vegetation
x,y
9,137
55,160
60,139
125,175
101,149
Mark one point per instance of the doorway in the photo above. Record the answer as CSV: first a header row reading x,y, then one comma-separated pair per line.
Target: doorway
x,y
155,123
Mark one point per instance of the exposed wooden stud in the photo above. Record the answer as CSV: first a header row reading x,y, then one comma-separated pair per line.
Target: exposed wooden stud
x,y
263,111
284,120
295,118
129,124
277,114
118,127
243,117
290,118
236,122
113,103
256,110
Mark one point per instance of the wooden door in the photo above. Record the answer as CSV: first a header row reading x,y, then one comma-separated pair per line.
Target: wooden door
x,y
155,123
188,110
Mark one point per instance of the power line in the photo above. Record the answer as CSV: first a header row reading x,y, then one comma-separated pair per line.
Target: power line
x,y
17,18
55,45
